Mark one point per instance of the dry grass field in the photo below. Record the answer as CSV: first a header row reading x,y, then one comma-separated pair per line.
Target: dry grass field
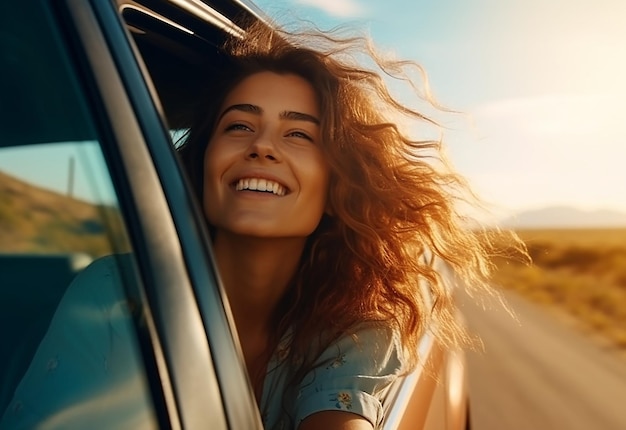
x,y
582,271
36,220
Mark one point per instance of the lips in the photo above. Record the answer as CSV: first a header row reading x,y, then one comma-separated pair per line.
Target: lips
x,y
260,185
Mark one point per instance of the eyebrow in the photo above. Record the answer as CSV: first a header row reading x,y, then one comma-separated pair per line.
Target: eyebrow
x,y
299,116
291,115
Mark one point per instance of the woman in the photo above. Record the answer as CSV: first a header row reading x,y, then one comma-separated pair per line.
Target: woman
x,y
322,212
323,215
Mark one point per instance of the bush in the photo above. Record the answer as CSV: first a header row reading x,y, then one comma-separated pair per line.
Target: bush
x,y
583,272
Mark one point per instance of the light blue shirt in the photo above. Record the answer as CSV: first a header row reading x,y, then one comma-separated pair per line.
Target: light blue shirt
x,y
354,376
87,371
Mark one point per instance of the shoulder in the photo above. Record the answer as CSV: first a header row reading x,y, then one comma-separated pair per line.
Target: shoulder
x,y
353,374
370,349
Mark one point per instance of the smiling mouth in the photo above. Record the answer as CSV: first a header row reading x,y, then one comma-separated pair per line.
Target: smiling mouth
x,y
260,185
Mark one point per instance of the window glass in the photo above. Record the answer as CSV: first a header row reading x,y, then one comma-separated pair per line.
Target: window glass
x,y
70,355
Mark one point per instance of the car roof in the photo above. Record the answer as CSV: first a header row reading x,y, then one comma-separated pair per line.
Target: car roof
x,y
180,46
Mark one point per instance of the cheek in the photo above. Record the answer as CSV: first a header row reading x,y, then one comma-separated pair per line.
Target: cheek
x,y
214,160
210,179
319,174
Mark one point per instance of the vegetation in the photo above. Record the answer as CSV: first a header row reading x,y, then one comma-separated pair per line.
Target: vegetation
x,y
580,270
36,220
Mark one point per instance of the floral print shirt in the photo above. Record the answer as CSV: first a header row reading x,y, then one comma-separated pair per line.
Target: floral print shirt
x,y
352,375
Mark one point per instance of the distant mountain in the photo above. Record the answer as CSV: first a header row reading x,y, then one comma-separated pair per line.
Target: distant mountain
x,y
567,217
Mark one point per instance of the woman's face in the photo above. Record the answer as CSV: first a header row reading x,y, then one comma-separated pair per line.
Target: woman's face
x,y
264,171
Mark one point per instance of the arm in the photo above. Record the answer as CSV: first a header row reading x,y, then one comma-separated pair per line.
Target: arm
x,y
335,420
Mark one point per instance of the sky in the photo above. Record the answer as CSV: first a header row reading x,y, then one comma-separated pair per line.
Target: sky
x,y
541,85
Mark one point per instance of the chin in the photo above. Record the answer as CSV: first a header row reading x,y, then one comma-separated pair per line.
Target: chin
x,y
266,232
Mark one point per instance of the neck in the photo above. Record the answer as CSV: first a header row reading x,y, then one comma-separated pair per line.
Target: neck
x,y
256,274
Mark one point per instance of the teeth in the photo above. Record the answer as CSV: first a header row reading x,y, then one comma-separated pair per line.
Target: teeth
x,y
258,184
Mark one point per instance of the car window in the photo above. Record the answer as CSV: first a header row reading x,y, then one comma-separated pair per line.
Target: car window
x,y
70,355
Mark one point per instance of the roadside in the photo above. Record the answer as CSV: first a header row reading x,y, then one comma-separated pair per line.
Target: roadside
x,y
580,275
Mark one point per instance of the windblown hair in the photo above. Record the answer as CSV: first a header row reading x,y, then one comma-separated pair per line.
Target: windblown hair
x,y
392,198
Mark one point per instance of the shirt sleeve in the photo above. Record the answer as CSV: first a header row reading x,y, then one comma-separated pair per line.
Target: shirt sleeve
x,y
355,374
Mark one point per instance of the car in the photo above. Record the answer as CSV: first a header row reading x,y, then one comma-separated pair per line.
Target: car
x,y
92,97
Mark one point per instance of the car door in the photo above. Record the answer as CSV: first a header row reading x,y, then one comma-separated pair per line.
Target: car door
x,y
96,222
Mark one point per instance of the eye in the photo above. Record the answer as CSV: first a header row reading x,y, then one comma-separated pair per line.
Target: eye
x,y
237,127
300,135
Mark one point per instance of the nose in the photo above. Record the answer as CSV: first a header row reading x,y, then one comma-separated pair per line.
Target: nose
x,y
263,147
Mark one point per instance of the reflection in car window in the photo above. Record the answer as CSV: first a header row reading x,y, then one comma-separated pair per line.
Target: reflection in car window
x,y
70,356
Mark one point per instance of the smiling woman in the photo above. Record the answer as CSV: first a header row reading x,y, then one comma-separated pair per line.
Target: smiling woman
x,y
323,215
267,133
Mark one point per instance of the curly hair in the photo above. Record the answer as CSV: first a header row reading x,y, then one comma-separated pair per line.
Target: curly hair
x,y
392,198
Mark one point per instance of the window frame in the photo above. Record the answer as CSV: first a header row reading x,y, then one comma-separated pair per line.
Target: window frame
x,y
200,368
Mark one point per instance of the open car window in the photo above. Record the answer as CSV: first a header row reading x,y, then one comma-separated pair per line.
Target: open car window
x,y
71,355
